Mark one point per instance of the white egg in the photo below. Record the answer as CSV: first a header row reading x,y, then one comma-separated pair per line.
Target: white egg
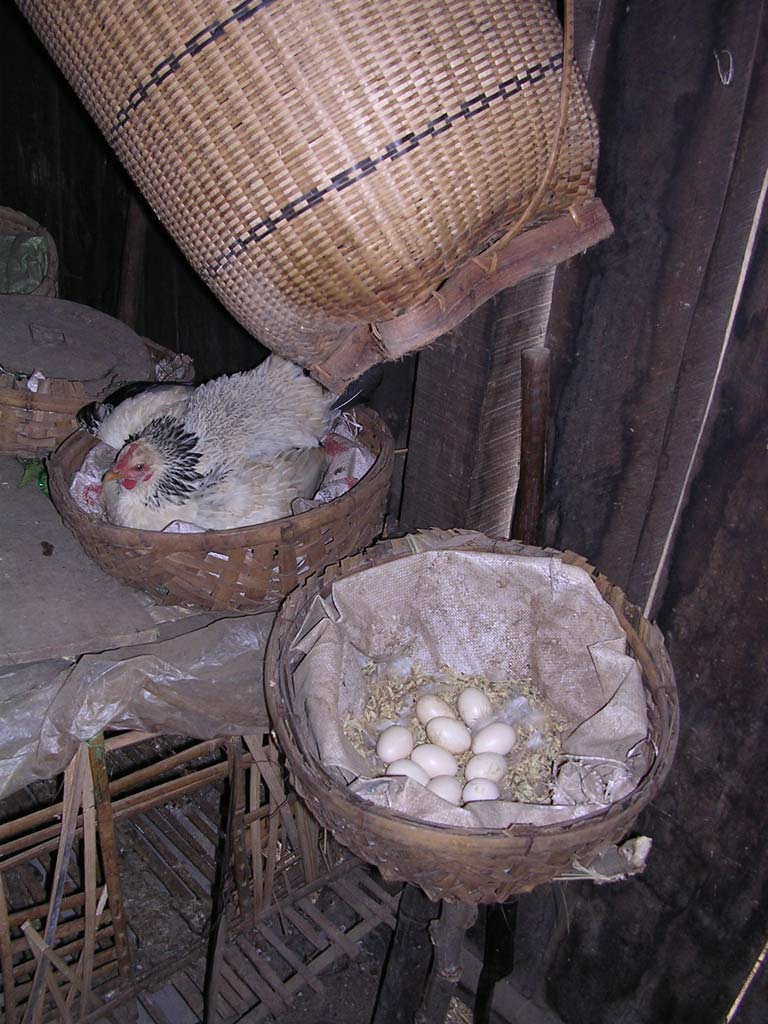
x,y
496,738
407,767
434,760
486,766
446,786
394,743
449,734
429,706
473,705
480,789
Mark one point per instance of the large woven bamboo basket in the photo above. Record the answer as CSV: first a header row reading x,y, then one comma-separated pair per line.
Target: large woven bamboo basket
x,y
32,424
14,222
247,570
328,165
471,865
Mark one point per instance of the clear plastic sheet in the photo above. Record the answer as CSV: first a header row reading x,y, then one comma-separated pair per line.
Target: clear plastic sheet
x,y
498,616
204,683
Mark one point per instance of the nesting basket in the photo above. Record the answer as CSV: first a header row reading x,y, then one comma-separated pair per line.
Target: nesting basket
x,y
472,865
12,222
327,166
249,569
32,424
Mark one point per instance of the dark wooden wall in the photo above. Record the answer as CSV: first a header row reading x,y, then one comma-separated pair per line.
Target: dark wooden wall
x,y
659,476
682,164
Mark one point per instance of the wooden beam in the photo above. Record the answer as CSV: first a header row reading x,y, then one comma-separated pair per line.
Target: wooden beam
x,y
533,444
502,266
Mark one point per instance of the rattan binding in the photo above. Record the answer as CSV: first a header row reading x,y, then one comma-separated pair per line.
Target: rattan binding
x,y
250,569
328,165
471,865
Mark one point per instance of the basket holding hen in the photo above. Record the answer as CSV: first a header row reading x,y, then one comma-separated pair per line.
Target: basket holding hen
x,y
264,467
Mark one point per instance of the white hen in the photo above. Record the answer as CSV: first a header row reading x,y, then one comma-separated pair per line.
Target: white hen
x,y
248,444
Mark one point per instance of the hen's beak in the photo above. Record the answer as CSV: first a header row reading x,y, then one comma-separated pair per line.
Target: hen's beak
x,y
111,474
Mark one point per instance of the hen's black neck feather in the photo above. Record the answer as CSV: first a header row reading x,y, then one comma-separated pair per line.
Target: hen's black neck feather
x,y
179,477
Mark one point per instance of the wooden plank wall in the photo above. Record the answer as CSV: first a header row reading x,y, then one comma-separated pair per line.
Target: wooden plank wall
x,y
464,443
56,167
659,476
682,165
677,943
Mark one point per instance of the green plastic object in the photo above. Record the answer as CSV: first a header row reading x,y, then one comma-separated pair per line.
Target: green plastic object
x,y
23,263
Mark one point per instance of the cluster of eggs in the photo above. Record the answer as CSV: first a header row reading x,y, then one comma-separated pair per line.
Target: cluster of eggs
x,y
434,764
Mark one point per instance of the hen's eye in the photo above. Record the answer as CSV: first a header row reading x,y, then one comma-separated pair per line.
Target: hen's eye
x,y
139,465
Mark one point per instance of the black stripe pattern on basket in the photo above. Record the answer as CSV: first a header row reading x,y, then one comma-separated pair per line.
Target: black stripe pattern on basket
x,y
392,151
162,72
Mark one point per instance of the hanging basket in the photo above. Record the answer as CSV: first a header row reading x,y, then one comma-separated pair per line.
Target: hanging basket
x,y
473,865
250,569
327,166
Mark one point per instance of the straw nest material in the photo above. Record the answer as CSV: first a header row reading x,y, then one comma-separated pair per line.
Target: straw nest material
x,y
249,569
472,865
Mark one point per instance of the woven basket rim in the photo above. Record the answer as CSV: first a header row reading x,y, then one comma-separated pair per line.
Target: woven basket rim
x,y
23,398
283,717
180,542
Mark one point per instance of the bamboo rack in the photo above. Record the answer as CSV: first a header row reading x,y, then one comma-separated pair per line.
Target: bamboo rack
x,y
60,947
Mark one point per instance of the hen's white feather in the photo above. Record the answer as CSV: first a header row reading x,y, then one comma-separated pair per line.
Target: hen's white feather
x,y
133,414
260,492
258,414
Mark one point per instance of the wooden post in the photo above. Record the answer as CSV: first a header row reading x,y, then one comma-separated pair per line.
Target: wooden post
x,y
498,955
257,864
237,839
447,934
410,952
132,268
73,788
221,891
533,430
90,897
109,856
6,955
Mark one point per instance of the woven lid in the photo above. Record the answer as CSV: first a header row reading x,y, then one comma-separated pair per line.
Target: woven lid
x,y
66,340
